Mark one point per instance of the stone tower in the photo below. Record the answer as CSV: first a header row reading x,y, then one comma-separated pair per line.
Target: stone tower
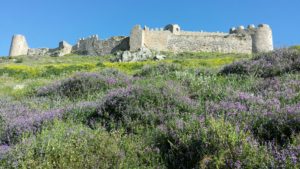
x,y
262,39
18,46
136,38
174,28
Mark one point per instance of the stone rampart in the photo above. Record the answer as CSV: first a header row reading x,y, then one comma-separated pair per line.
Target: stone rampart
x,y
170,38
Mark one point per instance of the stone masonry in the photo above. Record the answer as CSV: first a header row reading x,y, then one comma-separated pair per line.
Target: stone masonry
x,y
170,38
173,39
18,45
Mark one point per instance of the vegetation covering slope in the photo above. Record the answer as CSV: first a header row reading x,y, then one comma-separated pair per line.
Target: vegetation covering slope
x,y
192,110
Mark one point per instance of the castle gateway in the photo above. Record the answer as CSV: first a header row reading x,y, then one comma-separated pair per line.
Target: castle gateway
x,y
170,38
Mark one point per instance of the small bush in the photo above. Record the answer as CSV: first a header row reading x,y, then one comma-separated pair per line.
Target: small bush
x,y
18,60
158,70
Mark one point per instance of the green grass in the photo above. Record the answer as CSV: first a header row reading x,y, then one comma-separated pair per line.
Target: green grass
x,y
19,79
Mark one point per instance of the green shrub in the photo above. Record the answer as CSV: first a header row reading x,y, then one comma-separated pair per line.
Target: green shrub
x,y
296,47
158,70
232,148
215,144
18,60
67,145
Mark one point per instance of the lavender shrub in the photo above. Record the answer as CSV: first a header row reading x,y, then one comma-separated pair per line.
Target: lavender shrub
x,y
271,112
18,119
83,84
147,105
268,64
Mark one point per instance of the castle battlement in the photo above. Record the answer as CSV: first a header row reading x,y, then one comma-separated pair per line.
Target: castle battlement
x,y
170,38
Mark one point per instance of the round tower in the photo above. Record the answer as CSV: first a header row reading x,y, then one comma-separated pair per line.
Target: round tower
x,y
174,28
262,39
18,46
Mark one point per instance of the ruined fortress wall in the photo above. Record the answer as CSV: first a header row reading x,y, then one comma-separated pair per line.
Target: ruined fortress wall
x,y
193,41
95,47
156,40
172,38
207,42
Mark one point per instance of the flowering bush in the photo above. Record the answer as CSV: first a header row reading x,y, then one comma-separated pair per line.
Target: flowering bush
x,y
272,112
83,84
18,119
146,105
268,64
210,144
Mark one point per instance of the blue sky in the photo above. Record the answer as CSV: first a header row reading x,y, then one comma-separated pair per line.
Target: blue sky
x,y
46,22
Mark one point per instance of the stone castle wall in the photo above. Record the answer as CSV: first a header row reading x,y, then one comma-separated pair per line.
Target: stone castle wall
x,y
250,40
171,38
156,40
85,46
210,43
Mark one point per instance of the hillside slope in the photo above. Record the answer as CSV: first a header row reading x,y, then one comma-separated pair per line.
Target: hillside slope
x,y
192,110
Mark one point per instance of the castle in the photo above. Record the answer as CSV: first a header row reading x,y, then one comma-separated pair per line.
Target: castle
x,y
170,38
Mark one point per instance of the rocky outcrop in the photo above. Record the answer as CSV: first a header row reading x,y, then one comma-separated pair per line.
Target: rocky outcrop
x,y
93,46
141,54
38,52
63,49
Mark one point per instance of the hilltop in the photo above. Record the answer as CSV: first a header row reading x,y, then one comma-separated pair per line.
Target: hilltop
x,y
189,110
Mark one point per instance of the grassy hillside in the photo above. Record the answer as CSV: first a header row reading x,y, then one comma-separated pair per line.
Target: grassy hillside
x,y
192,110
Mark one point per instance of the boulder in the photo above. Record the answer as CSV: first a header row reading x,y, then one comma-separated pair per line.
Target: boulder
x,y
159,57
